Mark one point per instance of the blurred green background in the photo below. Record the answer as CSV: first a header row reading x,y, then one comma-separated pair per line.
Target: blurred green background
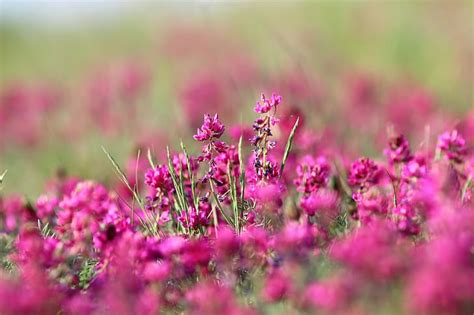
x,y
428,42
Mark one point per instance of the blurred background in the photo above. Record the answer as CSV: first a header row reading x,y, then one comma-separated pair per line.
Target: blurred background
x,y
76,75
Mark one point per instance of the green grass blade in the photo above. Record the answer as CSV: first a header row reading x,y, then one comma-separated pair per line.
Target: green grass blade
x,y
191,176
150,224
289,143
466,187
180,199
242,173
176,183
234,198
3,176
219,206
150,158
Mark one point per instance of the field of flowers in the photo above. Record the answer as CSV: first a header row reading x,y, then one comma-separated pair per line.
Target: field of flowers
x,y
239,159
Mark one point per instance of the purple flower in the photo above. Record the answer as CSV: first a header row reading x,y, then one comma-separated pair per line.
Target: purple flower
x,y
265,169
364,173
398,150
277,287
406,219
45,205
89,218
312,174
453,145
159,178
264,105
415,169
193,219
211,129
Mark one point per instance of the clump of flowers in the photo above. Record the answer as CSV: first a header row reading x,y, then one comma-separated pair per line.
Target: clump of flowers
x,y
161,186
210,130
453,146
223,231
398,150
89,217
209,133
312,174
264,105
364,173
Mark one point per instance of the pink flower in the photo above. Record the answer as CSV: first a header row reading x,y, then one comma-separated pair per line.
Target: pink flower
x,y
157,271
398,150
227,243
374,252
453,145
211,129
312,174
277,286
415,169
331,295
323,200
406,219
46,205
364,173
210,298
159,178
264,105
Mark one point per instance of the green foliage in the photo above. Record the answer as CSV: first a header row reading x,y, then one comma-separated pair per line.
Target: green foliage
x,y
466,187
180,196
88,272
45,229
149,223
6,246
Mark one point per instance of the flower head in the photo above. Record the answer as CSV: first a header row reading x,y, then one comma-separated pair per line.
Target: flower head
x,y
159,178
364,173
453,145
398,150
312,174
264,105
415,169
211,129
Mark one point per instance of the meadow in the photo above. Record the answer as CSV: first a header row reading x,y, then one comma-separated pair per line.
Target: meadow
x,y
240,158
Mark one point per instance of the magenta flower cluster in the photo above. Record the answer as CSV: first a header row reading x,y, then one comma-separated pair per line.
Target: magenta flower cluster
x,y
453,145
267,224
264,105
211,129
